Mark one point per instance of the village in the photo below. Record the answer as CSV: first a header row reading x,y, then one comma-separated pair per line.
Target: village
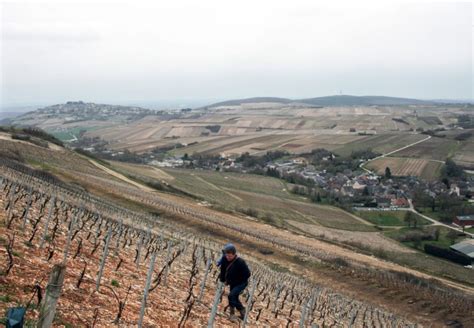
x,y
366,190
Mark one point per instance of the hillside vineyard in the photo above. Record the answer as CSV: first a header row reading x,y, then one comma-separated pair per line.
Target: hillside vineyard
x,y
99,242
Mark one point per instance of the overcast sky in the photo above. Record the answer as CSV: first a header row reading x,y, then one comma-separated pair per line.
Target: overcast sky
x,y
192,51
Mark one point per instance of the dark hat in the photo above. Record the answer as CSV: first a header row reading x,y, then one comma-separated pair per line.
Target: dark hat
x,y
229,248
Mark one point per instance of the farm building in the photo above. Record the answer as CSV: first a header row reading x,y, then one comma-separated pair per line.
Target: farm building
x,y
300,161
464,220
400,202
465,247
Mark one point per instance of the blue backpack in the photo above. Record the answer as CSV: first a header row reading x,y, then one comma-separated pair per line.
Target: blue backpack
x,y
16,317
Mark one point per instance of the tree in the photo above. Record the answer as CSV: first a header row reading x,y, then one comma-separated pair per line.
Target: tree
x,y
446,182
410,218
273,172
452,235
451,169
315,196
388,173
415,221
365,192
421,199
436,234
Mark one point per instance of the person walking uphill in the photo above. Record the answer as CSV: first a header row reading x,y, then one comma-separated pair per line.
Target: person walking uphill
x,y
235,273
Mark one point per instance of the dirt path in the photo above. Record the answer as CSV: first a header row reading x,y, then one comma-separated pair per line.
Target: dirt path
x,y
360,219
162,174
121,177
217,188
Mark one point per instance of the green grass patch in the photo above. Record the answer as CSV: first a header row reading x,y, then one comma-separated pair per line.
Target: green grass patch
x,y
471,229
390,218
435,215
39,164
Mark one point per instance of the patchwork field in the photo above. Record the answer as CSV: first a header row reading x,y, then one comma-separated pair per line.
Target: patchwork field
x,y
435,148
259,127
326,141
255,144
382,143
399,166
465,155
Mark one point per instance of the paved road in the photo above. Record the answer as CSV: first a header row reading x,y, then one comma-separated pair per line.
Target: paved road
x,y
437,222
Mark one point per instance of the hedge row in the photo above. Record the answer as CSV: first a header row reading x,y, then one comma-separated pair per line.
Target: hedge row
x,y
448,254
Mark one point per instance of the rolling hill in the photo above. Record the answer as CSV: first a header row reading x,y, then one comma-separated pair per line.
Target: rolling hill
x,y
347,100
236,102
336,100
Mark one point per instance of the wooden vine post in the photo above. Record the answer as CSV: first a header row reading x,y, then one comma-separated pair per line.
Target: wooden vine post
x,y
50,301
203,284
46,225
147,287
104,258
220,288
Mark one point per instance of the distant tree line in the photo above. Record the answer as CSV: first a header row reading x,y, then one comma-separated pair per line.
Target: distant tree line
x,y
466,121
463,136
248,160
323,159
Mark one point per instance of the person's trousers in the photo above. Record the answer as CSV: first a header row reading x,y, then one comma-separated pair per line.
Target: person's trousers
x,y
234,293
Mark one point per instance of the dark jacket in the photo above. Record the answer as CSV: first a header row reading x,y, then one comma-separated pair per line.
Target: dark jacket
x,y
234,273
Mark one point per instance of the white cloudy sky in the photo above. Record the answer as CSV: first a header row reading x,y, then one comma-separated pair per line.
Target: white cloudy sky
x,y
185,51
